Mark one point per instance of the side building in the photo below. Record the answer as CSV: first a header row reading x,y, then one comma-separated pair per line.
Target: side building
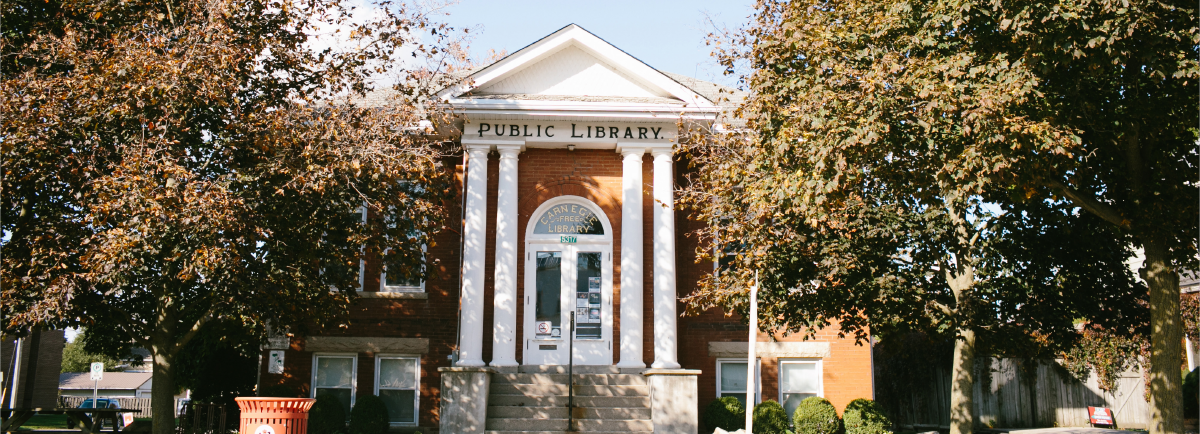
x,y
568,218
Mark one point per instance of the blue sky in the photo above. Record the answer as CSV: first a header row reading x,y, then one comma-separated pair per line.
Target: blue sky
x,y
668,35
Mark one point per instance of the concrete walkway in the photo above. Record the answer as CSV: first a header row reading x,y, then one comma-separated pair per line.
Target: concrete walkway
x,y
1075,430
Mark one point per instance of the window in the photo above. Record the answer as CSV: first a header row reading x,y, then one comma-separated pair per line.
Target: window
x,y
334,374
398,381
397,283
731,379
798,379
338,270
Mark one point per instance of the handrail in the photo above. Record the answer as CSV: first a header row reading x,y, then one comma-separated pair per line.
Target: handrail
x,y
571,376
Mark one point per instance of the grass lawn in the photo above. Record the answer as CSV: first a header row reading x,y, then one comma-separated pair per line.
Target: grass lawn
x,y
46,421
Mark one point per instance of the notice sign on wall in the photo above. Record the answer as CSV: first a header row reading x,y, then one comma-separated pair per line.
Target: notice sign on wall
x,y
275,362
1100,416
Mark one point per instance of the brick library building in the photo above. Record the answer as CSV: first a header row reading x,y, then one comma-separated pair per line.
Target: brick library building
x,y
567,218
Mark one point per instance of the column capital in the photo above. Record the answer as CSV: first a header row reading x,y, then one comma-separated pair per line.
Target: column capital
x,y
509,151
662,151
477,149
627,149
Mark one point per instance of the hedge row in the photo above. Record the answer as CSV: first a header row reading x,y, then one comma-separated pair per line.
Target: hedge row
x,y
814,415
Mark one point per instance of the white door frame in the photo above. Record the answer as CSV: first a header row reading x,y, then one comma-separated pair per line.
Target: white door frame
x,y
587,351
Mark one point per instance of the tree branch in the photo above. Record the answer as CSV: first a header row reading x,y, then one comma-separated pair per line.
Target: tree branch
x,y
187,337
1089,203
126,318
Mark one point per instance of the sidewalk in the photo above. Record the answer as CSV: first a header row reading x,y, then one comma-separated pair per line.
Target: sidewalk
x,y
1066,430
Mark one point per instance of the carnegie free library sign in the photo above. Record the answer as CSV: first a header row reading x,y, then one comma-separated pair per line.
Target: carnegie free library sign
x,y
569,218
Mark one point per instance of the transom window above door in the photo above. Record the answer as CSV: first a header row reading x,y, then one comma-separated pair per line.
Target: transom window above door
x,y
568,219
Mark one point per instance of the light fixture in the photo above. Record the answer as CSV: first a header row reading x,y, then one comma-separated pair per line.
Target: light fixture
x,y
570,147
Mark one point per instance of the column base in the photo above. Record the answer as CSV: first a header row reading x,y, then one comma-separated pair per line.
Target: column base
x,y
464,399
505,366
674,400
477,363
664,365
632,365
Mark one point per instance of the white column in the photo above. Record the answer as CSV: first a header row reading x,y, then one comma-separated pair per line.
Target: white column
x,y
665,348
470,333
1190,346
504,335
631,259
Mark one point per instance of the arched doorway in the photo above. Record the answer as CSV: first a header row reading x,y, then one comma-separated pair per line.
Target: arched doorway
x,y
568,273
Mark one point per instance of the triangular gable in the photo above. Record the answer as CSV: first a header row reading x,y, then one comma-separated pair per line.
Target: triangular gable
x,y
573,61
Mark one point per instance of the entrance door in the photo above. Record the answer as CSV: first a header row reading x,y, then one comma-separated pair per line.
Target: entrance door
x,y
564,280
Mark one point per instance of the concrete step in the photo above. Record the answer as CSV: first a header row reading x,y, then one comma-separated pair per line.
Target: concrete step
x,y
586,425
561,390
621,413
520,400
560,369
580,379
566,432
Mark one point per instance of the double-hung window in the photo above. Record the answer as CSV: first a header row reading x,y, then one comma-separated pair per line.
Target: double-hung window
x,y
731,380
798,379
397,283
334,374
398,383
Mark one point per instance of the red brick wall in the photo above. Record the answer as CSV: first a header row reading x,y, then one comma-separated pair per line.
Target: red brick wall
x,y
543,175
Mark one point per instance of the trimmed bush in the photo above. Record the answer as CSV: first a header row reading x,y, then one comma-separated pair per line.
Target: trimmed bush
x,y
770,418
864,416
815,415
369,416
326,416
1191,384
726,413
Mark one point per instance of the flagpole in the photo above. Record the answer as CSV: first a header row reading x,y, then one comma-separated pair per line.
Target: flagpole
x,y
752,357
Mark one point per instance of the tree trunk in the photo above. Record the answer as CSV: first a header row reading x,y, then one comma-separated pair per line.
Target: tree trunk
x,y
1166,336
962,383
162,390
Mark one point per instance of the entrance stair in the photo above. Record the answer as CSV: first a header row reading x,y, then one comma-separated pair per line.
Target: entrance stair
x,y
534,401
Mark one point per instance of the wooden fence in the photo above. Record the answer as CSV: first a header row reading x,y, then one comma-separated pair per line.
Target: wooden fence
x,y
1005,398
142,404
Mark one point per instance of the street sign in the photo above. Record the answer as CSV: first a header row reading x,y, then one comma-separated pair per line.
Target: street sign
x,y
97,371
275,362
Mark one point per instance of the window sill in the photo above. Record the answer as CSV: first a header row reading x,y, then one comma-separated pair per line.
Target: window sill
x,y
395,295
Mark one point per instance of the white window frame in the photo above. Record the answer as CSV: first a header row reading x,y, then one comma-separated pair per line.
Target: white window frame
x,y
384,287
312,385
417,395
820,375
757,383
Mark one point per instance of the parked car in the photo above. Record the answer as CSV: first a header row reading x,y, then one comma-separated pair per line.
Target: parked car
x,y
99,403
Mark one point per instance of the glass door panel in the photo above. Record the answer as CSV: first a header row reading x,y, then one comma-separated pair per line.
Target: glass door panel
x,y
588,307
548,315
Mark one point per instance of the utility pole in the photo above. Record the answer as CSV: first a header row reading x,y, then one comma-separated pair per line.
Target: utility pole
x,y
752,357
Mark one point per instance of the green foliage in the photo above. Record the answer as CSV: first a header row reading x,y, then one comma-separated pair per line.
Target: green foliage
x,y
369,416
815,415
1191,399
1107,354
327,416
864,416
770,418
279,391
76,359
726,413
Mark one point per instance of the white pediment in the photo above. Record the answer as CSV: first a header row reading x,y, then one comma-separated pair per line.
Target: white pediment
x,y
571,71
576,63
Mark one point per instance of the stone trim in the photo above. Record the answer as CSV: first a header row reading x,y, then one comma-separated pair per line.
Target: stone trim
x,y
353,344
394,295
770,349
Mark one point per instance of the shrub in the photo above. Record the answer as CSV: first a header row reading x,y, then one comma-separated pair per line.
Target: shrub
x,y
369,416
815,415
326,416
1191,405
864,416
770,418
726,413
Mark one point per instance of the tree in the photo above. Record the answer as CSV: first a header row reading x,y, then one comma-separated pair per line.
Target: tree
x,y
77,358
901,159
168,164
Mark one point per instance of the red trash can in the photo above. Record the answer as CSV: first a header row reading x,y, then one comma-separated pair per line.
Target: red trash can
x,y
274,415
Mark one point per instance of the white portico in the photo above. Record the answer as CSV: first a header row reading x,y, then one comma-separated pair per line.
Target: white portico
x,y
570,90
